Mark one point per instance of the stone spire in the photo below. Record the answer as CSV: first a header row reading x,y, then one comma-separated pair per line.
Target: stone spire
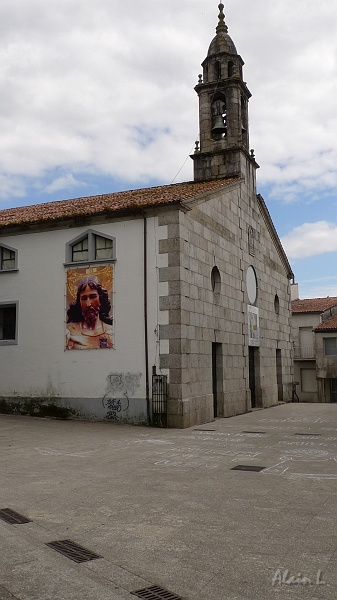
x,y
222,27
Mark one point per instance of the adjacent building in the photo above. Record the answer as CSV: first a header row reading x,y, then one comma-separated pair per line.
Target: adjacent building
x,y
314,332
168,305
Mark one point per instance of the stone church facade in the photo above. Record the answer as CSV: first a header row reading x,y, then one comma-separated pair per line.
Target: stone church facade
x,y
198,281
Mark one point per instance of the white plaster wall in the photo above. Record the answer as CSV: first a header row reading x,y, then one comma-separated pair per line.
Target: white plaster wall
x,y
39,364
302,320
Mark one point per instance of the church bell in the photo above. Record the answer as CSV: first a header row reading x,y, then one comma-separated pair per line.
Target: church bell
x,y
219,126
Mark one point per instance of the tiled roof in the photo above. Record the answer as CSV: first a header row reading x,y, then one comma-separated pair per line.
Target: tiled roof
x,y
313,305
118,202
329,325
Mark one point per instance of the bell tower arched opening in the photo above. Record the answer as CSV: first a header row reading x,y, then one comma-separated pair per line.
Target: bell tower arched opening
x,y
219,117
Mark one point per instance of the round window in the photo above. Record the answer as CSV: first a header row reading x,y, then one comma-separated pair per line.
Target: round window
x,y
251,284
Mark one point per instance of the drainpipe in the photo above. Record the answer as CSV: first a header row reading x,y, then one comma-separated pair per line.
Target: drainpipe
x,y
146,340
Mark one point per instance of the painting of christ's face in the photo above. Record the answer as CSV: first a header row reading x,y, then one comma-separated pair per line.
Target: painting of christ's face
x,y
90,303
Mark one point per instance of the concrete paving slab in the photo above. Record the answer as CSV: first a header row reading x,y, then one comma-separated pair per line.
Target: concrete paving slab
x,y
5,594
164,507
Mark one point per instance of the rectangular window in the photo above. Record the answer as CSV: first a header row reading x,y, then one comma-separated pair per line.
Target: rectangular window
x,y
103,248
330,346
7,259
8,320
80,250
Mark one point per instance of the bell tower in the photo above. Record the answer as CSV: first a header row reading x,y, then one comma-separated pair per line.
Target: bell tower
x,y
223,150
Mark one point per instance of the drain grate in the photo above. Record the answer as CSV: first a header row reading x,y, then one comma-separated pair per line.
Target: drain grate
x,y
73,551
13,518
154,592
255,432
248,468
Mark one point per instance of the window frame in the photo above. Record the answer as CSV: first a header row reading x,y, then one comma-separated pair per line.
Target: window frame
x,y
324,344
5,247
12,342
90,234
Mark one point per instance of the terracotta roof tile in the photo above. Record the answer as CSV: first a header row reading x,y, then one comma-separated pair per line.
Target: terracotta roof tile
x,y
329,325
109,203
313,305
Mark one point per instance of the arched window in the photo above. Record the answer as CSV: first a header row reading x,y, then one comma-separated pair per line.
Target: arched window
x,y
243,115
251,239
90,247
216,280
231,68
277,304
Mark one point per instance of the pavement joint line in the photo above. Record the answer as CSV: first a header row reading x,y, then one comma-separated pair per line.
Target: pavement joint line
x,y
87,565
10,595
91,567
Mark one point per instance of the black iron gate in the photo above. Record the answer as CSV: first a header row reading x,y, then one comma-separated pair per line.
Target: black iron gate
x,y
159,400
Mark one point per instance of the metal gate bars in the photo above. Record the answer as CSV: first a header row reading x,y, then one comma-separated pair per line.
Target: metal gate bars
x,y
159,400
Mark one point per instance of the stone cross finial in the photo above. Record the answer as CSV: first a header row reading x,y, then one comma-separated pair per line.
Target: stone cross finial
x,y
222,27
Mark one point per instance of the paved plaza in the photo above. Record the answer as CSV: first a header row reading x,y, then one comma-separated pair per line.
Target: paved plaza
x,y
168,508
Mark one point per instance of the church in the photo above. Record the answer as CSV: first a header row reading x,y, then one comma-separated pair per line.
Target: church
x,y
167,306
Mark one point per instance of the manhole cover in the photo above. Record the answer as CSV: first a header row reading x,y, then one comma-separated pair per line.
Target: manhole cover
x,y
154,592
73,551
13,518
248,468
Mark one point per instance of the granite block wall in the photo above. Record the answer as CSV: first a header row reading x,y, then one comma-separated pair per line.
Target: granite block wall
x,y
215,233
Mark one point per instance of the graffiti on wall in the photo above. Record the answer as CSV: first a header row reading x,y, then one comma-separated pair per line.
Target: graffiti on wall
x,y
116,400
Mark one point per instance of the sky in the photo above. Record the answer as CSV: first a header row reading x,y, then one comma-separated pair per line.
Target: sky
x,y
97,97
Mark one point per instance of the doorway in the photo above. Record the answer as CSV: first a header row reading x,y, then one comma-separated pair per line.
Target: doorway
x,y
279,375
333,396
254,376
217,375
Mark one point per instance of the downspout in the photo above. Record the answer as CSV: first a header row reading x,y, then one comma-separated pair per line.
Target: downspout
x,y
146,339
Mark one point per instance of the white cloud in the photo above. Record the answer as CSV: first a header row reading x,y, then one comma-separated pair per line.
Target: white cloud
x,y
310,239
317,290
63,182
107,87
